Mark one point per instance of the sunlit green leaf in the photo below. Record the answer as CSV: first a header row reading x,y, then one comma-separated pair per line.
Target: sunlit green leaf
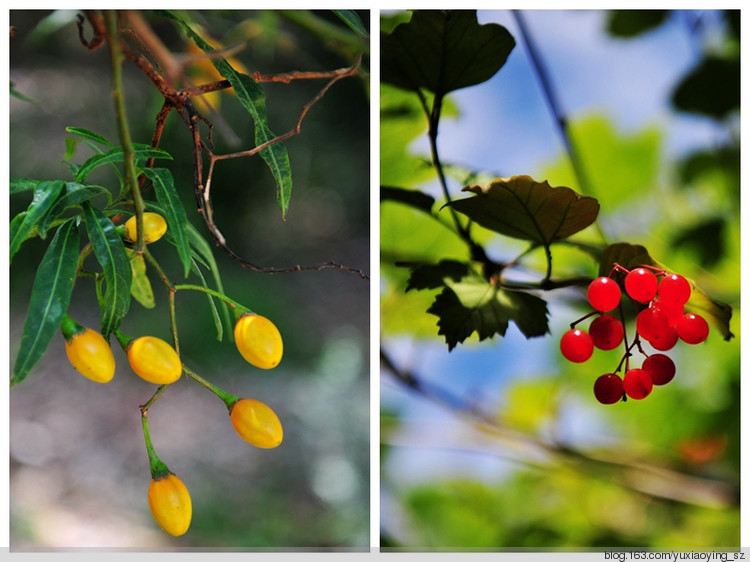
x,y
110,252
50,297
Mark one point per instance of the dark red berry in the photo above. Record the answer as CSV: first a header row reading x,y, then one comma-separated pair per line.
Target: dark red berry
x,y
604,294
652,324
608,389
660,368
606,332
637,384
576,346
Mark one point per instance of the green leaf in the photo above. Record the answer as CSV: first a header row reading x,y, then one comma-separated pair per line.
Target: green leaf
x,y
630,23
412,197
443,50
75,194
624,254
211,304
712,88
177,221
45,195
141,152
89,135
110,252
140,288
252,97
19,185
473,305
50,297
520,207
203,249
352,19
434,276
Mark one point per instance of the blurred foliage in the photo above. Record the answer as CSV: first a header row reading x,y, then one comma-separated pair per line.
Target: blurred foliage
x,y
658,473
87,459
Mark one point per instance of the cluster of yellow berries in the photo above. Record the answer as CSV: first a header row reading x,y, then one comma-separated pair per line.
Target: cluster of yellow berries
x,y
154,360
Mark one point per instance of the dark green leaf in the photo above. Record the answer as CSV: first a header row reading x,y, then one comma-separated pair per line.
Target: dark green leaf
x,y
211,304
412,197
75,194
434,276
168,198
630,23
45,195
712,88
50,297
443,50
705,238
352,19
474,306
252,97
111,254
19,185
624,254
520,207
142,152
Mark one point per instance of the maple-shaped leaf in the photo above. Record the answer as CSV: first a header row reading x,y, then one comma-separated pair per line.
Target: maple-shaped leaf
x,y
523,208
474,305
434,276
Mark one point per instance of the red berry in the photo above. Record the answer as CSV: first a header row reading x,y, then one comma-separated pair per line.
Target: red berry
x,y
660,368
641,285
673,311
606,332
674,289
667,342
576,346
604,294
608,389
652,324
692,328
637,384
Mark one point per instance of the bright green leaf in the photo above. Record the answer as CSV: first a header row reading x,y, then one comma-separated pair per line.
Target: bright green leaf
x,y
50,297
19,185
90,135
142,152
520,207
110,252
175,215
443,50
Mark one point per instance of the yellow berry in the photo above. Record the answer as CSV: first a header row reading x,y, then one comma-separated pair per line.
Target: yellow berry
x,y
256,423
154,227
154,360
170,504
258,340
91,355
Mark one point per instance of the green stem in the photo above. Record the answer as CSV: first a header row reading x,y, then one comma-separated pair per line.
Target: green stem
x,y
227,398
158,469
128,153
241,309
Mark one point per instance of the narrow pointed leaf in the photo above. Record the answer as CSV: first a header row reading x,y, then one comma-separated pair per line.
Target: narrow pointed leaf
x,y
45,195
115,156
252,97
166,195
111,255
74,194
140,288
50,297
19,185
89,135
520,207
412,197
352,19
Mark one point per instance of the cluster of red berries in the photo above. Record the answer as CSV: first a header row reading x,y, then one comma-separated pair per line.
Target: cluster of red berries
x,y
661,321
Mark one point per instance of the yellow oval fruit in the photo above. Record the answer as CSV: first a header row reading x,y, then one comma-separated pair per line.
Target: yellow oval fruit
x,y
256,423
154,227
258,340
170,504
91,355
154,360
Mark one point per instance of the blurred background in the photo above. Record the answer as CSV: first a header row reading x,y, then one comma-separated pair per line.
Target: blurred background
x,y
78,466
501,444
